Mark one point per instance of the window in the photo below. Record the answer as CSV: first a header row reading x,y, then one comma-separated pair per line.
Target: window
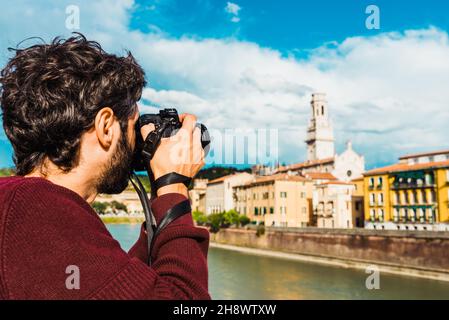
x,y
371,182
396,215
283,210
380,181
283,194
349,173
304,210
414,197
433,196
372,199
429,179
372,214
256,211
264,210
424,196
381,198
398,198
303,195
381,215
271,210
413,215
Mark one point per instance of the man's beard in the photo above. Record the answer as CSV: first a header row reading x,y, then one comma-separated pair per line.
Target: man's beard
x,y
116,174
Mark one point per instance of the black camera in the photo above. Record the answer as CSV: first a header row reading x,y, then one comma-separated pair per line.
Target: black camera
x,y
166,125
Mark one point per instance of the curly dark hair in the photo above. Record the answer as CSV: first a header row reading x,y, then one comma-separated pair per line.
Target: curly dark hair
x,y
51,93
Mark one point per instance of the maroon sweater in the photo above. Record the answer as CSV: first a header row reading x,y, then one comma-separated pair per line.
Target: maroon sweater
x,y
45,228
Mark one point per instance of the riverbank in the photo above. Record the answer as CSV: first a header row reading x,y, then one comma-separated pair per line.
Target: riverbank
x,y
400,253
122,219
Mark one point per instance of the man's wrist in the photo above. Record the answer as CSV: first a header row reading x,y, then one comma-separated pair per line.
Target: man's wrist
x,y
173,188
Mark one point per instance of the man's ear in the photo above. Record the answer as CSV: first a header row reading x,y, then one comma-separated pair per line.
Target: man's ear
x,y
104,126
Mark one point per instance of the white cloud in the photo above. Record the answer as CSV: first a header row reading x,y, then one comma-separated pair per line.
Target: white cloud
x,y
233,9
386,92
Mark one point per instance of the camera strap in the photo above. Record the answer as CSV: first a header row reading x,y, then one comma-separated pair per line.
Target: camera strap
x,y
150,220
172,214
152,141
171,178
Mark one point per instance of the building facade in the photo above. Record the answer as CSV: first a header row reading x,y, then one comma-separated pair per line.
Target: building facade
x,y
333,205
197,195
219,192
358,203
410,195
280,200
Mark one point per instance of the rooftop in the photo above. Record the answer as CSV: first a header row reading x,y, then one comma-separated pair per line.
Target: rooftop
x,y
399,167
417,155
320,176
304,165
221,179
276,177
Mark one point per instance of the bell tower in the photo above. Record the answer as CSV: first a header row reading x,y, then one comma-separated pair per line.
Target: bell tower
x,y
320,133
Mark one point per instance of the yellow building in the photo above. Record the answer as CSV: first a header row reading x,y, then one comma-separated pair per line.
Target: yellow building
x,y
280,200
197,195
410,195
358,203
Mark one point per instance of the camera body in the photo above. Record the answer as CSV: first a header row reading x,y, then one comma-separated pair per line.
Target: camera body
x,y
167,123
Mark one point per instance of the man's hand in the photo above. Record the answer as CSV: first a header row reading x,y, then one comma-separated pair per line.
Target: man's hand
x,y
181,153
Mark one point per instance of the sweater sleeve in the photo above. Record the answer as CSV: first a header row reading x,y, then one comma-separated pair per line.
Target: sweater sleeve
x,y
54,246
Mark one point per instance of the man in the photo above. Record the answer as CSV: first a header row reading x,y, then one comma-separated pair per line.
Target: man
x,y
69,110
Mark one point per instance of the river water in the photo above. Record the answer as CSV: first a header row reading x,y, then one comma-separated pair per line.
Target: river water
x,y
242,276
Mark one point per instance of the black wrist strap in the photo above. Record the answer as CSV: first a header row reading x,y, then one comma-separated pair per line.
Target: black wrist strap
x,y
171,178
151,143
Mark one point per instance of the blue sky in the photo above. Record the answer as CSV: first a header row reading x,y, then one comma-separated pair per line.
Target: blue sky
x,y
254,64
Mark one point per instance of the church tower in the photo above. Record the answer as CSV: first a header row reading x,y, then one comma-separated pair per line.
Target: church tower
x,y
320,133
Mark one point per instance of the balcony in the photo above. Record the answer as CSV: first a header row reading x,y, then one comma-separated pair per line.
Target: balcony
x,y
379,187
401,186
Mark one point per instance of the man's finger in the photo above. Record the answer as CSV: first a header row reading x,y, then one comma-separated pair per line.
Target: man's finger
x,y
188,122
197,137
146,129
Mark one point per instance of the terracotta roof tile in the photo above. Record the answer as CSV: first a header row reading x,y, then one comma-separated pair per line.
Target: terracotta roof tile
x,y
407,167
416,155
320,175
304,165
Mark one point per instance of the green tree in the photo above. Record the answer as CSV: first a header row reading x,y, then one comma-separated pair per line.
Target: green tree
x,y
244,220
100,207
6,172
215,221
200,218
118,206
230,218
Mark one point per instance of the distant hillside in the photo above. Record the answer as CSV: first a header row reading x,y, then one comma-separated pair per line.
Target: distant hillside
x,y
207,173
217,172
6,172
